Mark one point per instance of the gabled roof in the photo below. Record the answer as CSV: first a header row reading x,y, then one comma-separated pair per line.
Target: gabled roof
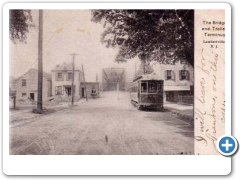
x,y
12,80
65,66
89,82
48,76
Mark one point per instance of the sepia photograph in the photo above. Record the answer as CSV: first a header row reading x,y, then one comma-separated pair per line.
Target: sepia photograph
x,y
117,89
101,82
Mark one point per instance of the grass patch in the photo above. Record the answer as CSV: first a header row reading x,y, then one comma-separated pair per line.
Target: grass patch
x,y
43,111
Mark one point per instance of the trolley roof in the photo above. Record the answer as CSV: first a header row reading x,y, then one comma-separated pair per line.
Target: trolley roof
x,y
148,77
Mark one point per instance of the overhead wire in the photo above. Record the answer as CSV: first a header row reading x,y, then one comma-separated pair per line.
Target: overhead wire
x,y
57,31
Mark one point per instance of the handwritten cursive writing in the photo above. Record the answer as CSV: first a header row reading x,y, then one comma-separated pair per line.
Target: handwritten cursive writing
x,y
214,63
214,83
200,138
202,97
212,114
199,115
223,112
203,64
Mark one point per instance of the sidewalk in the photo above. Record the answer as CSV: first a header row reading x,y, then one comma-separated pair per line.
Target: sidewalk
x,y
184,111
24,115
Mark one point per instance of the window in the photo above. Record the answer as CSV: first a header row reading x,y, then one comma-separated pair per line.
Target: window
x,y
59,77
24,94
183,75
58,90
152,87
24,82
160,86
70,76
93,89
169,75
143,87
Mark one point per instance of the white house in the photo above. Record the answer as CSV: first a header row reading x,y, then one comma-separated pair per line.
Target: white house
x,y
27,86
62,76
178,81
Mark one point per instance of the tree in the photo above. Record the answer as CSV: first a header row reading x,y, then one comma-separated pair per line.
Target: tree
x,y
19,24
145,68
165,36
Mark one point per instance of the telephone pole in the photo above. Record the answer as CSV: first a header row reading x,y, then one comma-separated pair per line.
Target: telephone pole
x,y
73,66
135,70
40,63
144,67
84,83
98,90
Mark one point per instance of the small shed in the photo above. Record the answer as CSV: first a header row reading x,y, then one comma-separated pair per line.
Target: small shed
x,y
88,88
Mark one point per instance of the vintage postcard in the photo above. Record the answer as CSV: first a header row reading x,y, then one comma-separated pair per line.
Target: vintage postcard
x,y
117,80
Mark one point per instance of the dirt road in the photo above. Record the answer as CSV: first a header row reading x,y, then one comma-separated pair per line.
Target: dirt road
x,y
107,125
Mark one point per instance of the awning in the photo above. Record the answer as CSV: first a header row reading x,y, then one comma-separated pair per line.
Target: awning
x,y
176,88
68,86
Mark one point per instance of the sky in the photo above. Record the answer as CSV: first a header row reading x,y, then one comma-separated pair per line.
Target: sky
x,y
66,32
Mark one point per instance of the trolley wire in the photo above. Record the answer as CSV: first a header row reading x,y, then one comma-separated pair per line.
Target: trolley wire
x,y
57,31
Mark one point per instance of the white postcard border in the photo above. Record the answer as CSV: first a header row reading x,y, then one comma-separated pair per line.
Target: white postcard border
x,y
114,165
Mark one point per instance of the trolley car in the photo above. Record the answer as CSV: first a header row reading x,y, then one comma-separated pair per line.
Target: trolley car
x,y
147,92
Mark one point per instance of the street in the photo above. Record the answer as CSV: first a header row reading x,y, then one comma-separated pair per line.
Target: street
x,y
108,125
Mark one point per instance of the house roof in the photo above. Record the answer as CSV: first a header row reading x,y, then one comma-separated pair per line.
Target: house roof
x,y
12,80
89,83
65,66
48,76
148,77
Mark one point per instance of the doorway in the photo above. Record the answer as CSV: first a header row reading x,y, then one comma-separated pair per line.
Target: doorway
x,y
68,91
170,96
83,94
32,96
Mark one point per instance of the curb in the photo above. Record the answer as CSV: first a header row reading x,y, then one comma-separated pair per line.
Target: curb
x,y
19,122
181,115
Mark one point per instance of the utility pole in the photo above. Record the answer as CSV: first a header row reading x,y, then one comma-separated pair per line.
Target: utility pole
x,y
84,83
118,89
98,90
14,102
40,63
73,66
135,70
144,68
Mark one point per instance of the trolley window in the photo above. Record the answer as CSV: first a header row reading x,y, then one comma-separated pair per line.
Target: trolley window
x,y
144,87
152,87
